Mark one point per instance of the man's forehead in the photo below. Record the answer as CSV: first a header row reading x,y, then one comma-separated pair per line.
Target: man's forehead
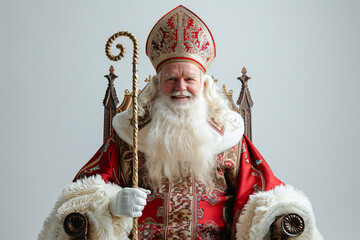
x,y
188,69
173,74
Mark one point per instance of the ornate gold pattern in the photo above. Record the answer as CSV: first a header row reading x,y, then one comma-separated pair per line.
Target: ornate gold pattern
x,y
182,36
180,212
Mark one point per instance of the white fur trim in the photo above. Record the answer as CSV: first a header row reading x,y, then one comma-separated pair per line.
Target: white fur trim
x,y
231,136
262,208
91,197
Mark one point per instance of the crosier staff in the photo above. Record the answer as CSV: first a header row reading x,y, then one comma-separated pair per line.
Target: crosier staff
x,y
121,47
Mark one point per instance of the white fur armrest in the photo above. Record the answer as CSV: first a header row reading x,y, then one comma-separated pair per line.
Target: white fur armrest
x,y
263,207
91,197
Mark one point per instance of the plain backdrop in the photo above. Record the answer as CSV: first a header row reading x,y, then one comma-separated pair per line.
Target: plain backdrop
x,y
303,57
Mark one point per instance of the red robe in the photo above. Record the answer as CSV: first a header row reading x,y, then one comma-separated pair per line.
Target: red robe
x,y
192,210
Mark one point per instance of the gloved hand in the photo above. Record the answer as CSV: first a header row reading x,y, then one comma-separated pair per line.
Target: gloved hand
x,y
129,202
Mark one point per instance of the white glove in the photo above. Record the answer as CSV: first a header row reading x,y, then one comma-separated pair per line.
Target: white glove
x,y
129,202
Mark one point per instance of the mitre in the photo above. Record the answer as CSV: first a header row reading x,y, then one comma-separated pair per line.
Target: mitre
x,y
180,36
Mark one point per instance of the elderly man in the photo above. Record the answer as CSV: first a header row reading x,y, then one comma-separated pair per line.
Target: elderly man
x,y
194,183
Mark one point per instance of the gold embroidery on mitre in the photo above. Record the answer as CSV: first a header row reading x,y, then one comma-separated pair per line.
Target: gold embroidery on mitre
x,y
180,36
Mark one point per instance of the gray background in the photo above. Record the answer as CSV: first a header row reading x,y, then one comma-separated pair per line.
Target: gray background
x,y
303,57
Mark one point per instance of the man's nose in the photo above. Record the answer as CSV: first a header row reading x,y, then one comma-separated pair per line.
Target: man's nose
x,y
181,85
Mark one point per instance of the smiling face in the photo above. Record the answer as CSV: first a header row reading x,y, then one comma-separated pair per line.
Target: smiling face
x,y
180,81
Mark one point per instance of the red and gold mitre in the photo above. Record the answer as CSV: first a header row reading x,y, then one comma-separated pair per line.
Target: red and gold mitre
x,y
180,36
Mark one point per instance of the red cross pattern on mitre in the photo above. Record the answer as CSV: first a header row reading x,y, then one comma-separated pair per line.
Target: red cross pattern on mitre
x,y
180,36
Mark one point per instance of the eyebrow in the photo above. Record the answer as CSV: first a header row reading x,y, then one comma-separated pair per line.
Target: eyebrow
x,y
169,75
193,75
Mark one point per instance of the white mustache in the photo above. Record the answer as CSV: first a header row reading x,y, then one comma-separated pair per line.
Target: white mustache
x,y
181,93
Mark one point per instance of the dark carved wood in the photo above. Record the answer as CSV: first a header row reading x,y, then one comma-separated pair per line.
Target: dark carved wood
x,y
245,103
110,102
76,226
289,225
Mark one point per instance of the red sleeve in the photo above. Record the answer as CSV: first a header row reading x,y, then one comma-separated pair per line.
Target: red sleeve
x,y
254,175
104,163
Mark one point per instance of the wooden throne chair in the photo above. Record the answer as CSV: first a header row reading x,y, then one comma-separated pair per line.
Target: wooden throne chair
x,y
76,224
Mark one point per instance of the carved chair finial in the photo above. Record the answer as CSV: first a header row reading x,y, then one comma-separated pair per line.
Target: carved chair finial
x,y
111,99
243,70
110,102
214,79
245,103
148,79
244,78
225,92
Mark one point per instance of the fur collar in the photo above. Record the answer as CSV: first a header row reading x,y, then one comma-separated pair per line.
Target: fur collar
x,y
222,137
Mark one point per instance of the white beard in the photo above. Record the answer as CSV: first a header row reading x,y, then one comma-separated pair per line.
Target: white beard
x,y
178,141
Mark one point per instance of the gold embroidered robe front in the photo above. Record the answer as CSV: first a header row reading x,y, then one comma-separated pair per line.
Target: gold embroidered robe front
x,y
188,209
